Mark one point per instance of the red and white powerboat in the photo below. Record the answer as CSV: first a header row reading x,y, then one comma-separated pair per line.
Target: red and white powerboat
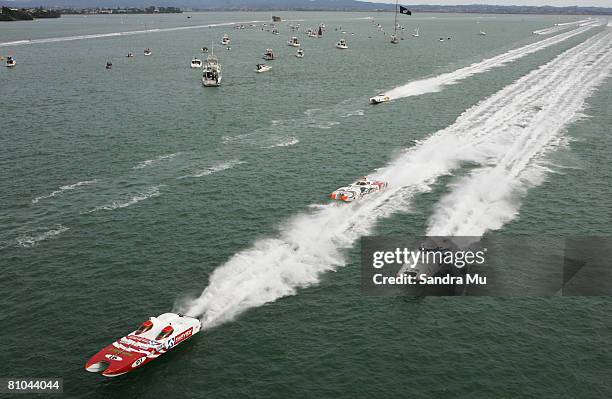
x,y
358,190
152,339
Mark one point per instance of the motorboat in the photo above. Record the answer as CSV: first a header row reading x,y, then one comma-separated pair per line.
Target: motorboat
x,y
380,98
109,65
147,51
416,33
196,63
130,55
293,42
482,33
269,55
300,53
153,338
275,31
394,39
10,62
225,40
357,190
211,74
342,44
311,33
205,50
262,68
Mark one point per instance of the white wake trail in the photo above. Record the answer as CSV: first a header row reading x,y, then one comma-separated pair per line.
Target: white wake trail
x,y
436,83
313,242
118,34
490,196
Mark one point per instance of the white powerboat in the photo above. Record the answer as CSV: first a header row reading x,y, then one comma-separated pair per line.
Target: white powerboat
x,y
300,53
269,55
342,44
293,42
196,63
482,33
147,51
394,39
311,33
358,190
262,68
225,40
130,55
211,74
10,62
380,98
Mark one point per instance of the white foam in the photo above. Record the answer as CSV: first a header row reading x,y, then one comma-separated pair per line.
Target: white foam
x,y
213,169
27,241
312,242
62,189
287,142
130,199
155,161
437,83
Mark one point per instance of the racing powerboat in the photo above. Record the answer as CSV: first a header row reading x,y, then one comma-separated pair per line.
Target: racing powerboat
x,y
10,62
293,42
300,53
152,339
147,51
358,190
196,63
380,98
269,55
262,68
342,44
225,40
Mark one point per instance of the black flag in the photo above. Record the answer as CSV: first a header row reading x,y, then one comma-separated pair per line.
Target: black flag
x,y
404,10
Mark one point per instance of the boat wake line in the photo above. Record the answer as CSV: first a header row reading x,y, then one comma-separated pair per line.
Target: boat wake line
x,y
118,34
313,243
436,83
489,196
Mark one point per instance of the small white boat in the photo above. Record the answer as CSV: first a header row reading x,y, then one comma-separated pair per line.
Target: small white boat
x,y
269,55
275,31
380,98
262,68
109,65
196,63
482,33
147,51
300,53
394,39
293,42
416,33
225,40
130,55
311,33
342,44
10,62
205,50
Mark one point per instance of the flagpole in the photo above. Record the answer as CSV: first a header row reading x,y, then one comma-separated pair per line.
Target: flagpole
x,y
395,24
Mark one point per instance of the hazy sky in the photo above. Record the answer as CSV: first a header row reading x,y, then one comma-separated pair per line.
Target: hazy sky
x,y
558,3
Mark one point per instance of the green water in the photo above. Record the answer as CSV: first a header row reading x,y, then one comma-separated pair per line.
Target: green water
x,y
228,166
